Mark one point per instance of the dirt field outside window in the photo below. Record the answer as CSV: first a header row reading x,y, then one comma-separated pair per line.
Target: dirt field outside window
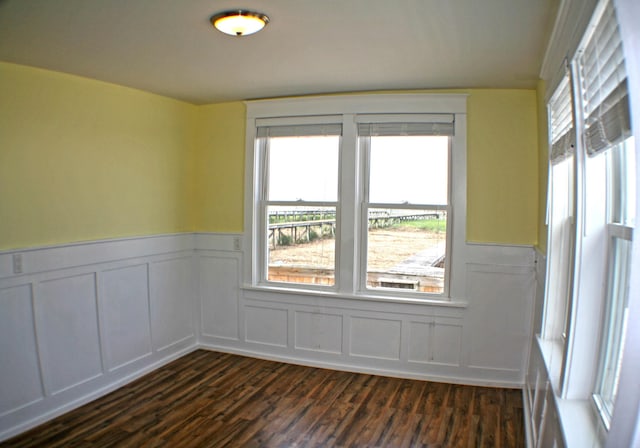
x,y
387,249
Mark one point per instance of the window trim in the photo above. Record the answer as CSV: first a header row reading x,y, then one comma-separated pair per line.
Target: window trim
x,y
604,408
348,283
367,204
594,231
562,148
604,233
263,201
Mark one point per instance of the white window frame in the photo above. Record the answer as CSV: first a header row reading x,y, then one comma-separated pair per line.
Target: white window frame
x,y
600,71
263,199
348,281
364,142
560,260
615,230
603,406
595,233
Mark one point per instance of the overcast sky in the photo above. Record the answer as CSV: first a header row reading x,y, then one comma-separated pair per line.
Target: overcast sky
x,y
411,169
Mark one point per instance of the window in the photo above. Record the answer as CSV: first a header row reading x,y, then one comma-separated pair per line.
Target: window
x,y
621,192
607,135
300,197
560,218
406,202
361,195
589,253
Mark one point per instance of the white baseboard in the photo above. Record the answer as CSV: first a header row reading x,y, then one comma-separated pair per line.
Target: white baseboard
x,y
344,367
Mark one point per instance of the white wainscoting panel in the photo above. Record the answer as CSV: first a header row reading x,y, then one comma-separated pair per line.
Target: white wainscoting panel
x,y
36,260
83,319
447,344
124,307
500,299
266,326
540,281
318,331
77,323
480,339
219,296
375,338
420,339
172,305
434,342
68,332
19,365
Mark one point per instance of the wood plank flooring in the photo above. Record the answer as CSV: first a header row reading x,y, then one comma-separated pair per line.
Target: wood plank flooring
x,y
210,399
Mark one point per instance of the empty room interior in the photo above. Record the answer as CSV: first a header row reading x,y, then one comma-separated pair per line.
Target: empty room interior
x,y
319,223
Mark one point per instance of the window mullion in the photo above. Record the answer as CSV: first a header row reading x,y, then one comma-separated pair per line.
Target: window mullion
x,y
262,241
364,147
262,237
348,208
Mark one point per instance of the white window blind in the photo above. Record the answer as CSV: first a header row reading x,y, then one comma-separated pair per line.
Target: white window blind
x,y
299,130
405,125
561,129
605,98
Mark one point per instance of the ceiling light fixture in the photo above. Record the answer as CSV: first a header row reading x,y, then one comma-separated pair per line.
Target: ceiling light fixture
x,y
239,22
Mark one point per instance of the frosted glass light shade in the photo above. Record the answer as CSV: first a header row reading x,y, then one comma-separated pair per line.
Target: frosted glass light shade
x,y
239,22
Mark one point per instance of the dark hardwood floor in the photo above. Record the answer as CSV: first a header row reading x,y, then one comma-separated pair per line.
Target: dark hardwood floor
x,y
210,399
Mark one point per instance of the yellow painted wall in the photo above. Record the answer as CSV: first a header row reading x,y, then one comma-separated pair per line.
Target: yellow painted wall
x,y
543,166
84,160
502,166
219,195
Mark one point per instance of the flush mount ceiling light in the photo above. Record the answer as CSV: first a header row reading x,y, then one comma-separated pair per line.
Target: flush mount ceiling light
x,y
239,22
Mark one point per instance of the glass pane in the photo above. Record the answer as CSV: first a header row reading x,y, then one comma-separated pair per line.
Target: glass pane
x,y
406,249
560,251
411,170
303,168
623,183
615,325
301,244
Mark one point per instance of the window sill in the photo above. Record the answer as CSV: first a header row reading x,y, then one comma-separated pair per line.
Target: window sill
x,y
579,427
552,354
452,303
576,417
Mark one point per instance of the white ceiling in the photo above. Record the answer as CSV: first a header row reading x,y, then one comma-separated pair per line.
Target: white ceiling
x,y
310,46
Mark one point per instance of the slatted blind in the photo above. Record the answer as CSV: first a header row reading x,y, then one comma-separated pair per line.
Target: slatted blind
x,y
405,125
605,97
562,133
300,130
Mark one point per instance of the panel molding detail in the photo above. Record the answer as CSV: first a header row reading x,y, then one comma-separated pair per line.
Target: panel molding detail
x,y
266,325
124,310
482,340
219,280
435,342
84,319
68,332
375,338
318,331
20,362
